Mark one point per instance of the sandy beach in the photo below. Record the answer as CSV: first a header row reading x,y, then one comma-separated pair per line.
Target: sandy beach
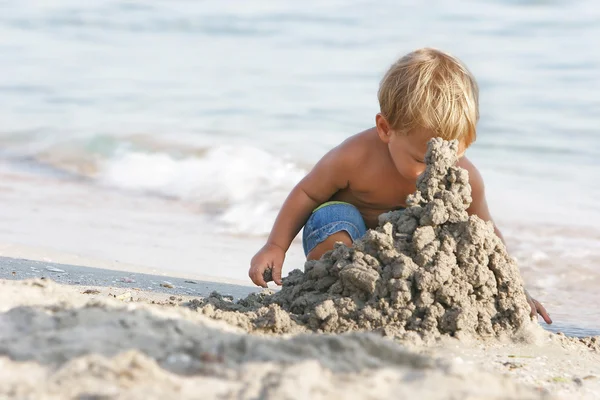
x,y
107,341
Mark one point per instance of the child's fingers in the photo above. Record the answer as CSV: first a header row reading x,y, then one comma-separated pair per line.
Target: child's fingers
x,y
542,311
533,309
257,277
258,280
277,274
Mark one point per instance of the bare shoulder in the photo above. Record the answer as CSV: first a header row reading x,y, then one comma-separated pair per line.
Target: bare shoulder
x,y
338,167
352,154
475,178
479,204
356,149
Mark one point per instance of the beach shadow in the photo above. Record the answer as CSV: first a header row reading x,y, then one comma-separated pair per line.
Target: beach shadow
x,y
57,334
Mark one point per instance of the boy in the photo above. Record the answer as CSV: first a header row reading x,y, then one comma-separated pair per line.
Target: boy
x,y
425,94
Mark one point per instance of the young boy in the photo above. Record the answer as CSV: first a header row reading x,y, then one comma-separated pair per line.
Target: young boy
x,y
425,94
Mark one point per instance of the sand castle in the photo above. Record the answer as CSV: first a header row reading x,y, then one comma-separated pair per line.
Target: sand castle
x,y
426,271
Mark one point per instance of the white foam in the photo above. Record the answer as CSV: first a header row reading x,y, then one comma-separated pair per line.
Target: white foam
x,y
244,187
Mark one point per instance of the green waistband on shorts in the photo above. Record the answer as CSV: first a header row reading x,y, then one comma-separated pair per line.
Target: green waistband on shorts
x,y
329,203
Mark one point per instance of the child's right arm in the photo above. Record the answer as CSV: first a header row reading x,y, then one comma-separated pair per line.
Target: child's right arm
x,y
327,177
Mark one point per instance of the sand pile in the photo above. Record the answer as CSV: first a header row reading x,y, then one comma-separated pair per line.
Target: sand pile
x,y
56,343
426,271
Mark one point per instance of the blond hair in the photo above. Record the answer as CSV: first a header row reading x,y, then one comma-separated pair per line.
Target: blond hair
x,y
430,89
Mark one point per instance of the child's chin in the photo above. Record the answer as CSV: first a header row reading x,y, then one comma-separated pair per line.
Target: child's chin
x,y
410,177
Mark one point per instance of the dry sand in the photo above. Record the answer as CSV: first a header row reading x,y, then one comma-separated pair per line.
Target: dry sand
x,y
58,343
429,305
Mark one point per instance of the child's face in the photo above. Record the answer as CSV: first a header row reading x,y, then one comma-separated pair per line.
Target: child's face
x,y
408,152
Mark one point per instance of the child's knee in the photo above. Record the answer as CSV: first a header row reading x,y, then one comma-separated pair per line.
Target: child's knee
x,y
327,244
330,223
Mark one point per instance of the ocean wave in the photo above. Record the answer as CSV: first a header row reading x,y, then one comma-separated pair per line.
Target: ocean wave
x,y
243,187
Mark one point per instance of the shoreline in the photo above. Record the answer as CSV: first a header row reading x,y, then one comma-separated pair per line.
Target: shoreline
x,y
86,277
50,256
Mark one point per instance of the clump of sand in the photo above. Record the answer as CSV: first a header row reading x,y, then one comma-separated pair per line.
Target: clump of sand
x,y
426,271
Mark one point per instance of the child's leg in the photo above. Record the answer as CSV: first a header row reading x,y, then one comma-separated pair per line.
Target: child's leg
x,y
330,223
328,243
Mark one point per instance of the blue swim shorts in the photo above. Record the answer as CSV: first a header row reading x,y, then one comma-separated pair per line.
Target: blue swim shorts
x,y
330,218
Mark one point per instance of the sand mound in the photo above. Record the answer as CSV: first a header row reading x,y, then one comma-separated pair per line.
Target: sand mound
x,y
427,271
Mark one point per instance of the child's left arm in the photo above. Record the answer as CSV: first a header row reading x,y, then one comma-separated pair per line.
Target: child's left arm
x,y
480,208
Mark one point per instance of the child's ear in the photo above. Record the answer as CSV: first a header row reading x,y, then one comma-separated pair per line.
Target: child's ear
x,y
383,128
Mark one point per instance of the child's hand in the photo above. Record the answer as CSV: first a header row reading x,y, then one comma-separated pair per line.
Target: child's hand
x,y
269,257
537,308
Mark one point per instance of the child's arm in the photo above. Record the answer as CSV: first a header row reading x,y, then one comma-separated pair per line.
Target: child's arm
x,y
480,208
327,177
